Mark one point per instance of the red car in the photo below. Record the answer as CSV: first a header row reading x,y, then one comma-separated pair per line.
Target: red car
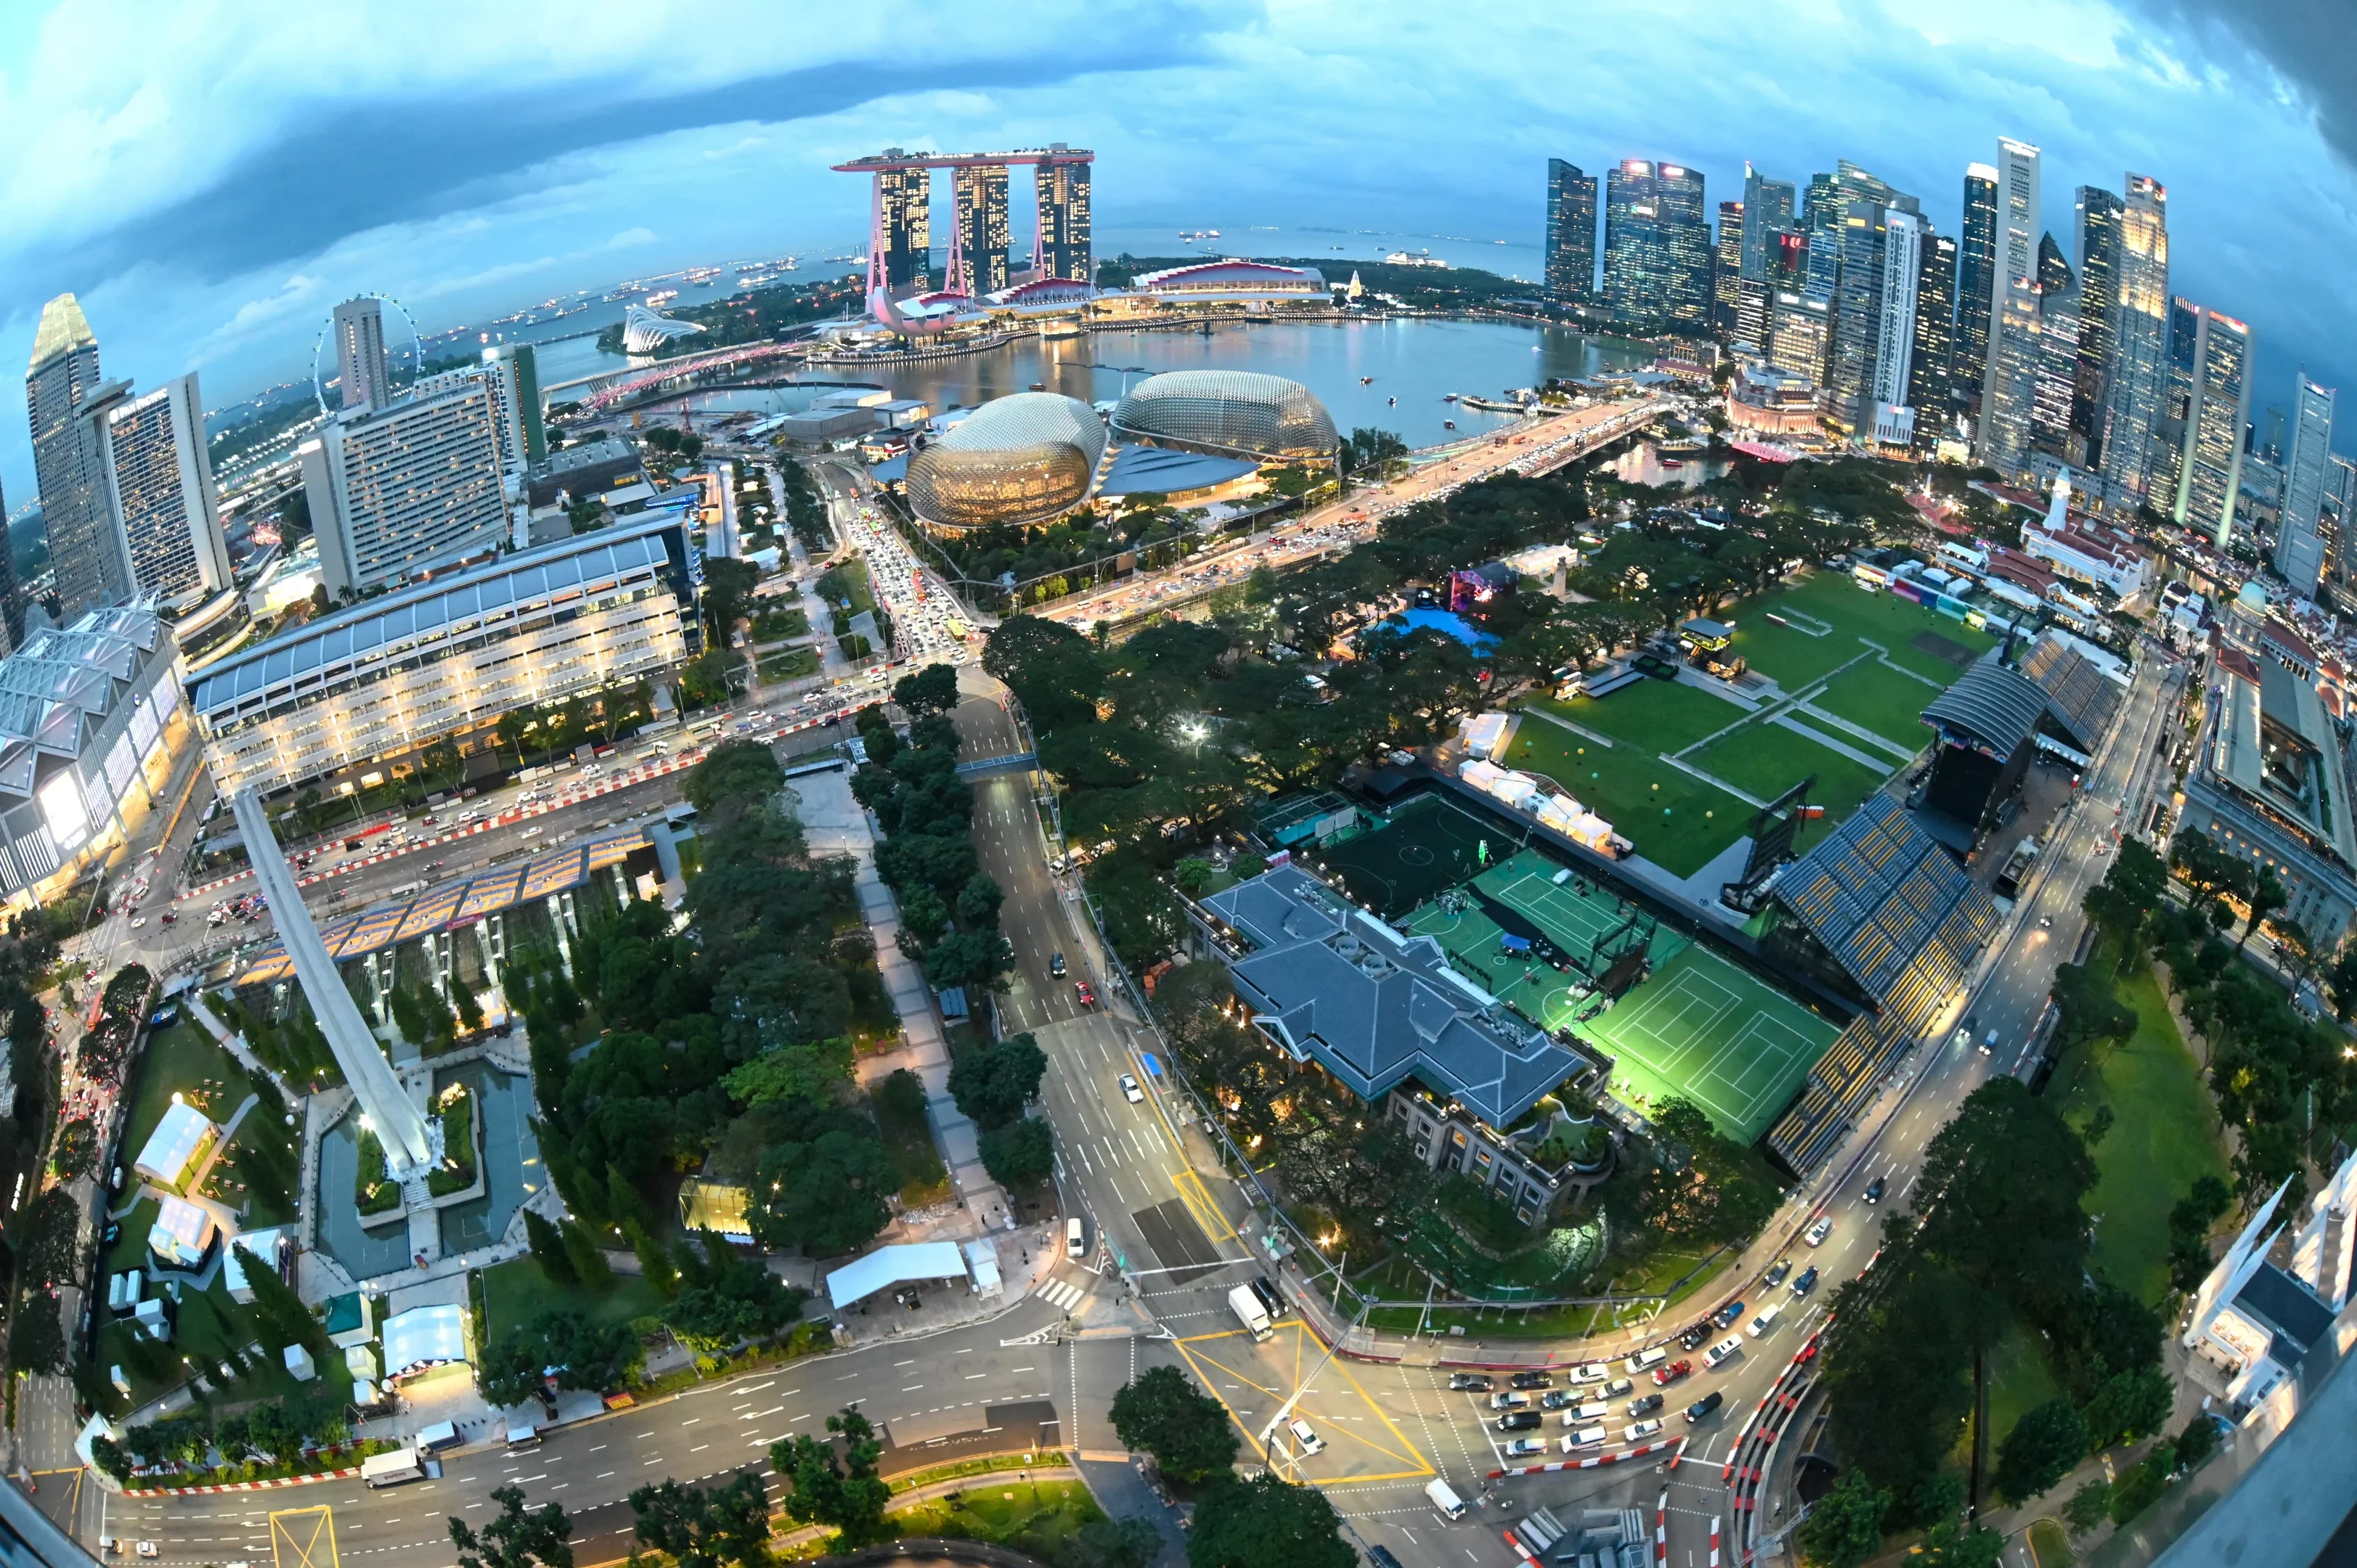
x,y
1664,1376
1086,992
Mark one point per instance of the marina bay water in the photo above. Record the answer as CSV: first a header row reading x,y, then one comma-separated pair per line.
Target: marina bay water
x,y
1357,367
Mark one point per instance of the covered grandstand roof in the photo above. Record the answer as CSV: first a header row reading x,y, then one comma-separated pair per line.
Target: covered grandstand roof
x,y
1892,907
1994,708
456,903
2080,693
1334,984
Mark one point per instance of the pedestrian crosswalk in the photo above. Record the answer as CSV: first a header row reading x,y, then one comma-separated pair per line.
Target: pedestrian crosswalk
x,y
1063,1297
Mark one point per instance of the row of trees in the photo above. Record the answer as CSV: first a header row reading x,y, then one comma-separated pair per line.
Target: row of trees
x,y
1997,1239
1264,1522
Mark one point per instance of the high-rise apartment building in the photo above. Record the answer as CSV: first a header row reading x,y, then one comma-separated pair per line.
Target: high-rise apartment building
x,y
904,218
2009,386
1891,419
401,491
2097,234
1931,382
1065,247
1857,240
518,368
361,374
2308,471
1570,233
2051,430
1656,247
163,537
2197,459
1767,207
1975,273
2139,372
978,199
63,370
1726,269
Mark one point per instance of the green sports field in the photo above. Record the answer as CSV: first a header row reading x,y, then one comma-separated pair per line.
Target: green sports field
x,y
1675,820
1819,623
1875,697
1701,1028
1432,843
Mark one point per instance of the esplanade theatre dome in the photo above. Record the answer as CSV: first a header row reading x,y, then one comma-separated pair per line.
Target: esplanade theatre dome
x,y
1239,413
1018,459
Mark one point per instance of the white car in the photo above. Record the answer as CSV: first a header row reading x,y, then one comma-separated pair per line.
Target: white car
x,y
1637,1431
1723,1352
1593,1372
1586,1437
533,832
1818,1232
1526,1447
1310,1442
1130,1091
1644,1361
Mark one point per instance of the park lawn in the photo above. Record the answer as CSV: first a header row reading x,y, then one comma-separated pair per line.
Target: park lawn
x,y
209,1324
181,1059
1039,1518
1768,759
515,1292
223,1185
1654,715
1675,820
1797,659
2019,1382
791,665
2165,1132
1874,697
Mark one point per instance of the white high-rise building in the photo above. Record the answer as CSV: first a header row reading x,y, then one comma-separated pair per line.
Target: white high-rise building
x,y
158,486
1893,422
2299,538
2010,388
362,376
406,489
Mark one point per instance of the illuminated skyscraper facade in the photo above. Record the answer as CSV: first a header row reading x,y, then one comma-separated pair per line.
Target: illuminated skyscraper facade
x,y
2098,238
1767,207
978,200
1657,252
2307,470
1570,233
2051,430
1065,243
1726,269
1975,273
2197,436
2139,373
2009,386
1890,419
1931,381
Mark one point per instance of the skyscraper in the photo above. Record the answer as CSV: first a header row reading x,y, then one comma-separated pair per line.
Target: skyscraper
x,y
2299,537
518,370
361,374
1975,270
1656,247
1858,307
63,370
1065,245
2051,430
904,218
1767,207
1726,269
978,193
1930,386
156,480
2009,386
2197,436
2139,363
1800,336
1570,233
2098,237
1891,419
1820,205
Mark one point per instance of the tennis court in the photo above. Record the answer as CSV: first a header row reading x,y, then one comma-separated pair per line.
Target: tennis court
x,y
1429,845
1701,1028
1540,993
1575,914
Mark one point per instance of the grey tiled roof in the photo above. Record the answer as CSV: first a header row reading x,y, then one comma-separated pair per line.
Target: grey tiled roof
x,y
1333,984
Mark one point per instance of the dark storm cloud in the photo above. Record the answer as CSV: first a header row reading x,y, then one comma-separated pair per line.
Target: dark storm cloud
x,y
2311,44
350,169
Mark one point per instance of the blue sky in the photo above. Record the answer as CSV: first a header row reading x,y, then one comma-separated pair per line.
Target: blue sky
x,y
210,178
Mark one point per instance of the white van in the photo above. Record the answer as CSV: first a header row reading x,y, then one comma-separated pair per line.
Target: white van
x,y
1586,1415
1075,1241
1766,1320
1644,1361
434,1438
1444,1498
1587,1437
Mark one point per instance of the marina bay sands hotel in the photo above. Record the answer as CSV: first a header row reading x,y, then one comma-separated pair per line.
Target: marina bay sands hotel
x,y
899,235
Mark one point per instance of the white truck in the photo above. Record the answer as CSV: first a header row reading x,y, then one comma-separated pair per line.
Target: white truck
x,y
392,1468
1248,1308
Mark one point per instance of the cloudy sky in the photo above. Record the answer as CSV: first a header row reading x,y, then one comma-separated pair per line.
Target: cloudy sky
x,y
209,178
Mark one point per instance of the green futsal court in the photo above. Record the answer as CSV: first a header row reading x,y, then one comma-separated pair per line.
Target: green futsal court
x,y
1430,845
1576,914
1701,1028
